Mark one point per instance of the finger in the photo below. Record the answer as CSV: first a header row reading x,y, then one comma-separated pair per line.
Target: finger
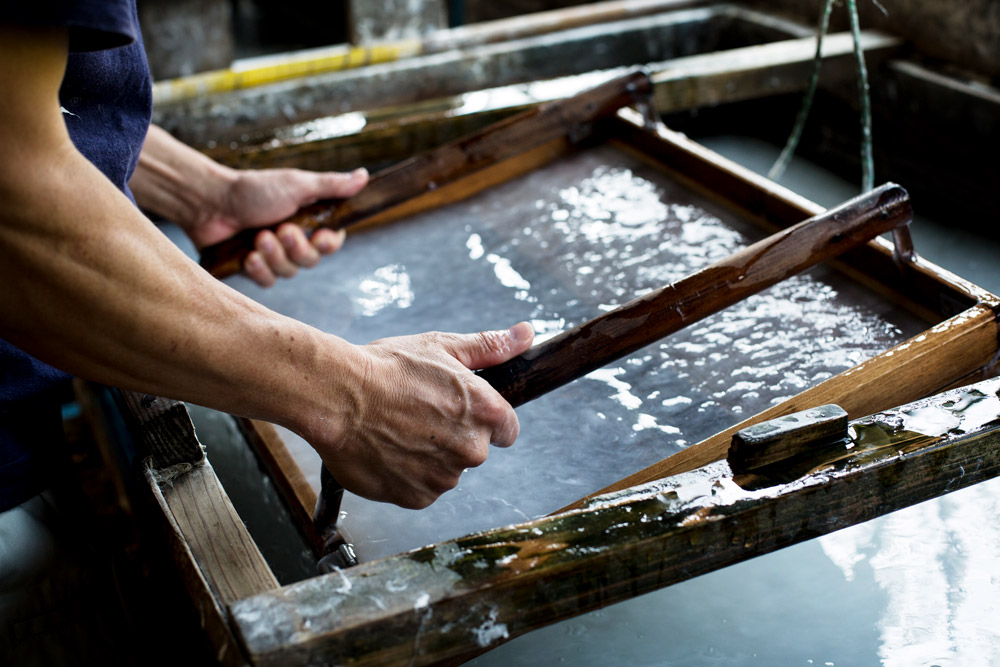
x,y
257,269
297,247
274,255
338,185
489,348
506,432
328,241
505,426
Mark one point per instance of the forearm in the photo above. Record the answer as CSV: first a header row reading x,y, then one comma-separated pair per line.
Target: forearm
x,y
177,182
92,287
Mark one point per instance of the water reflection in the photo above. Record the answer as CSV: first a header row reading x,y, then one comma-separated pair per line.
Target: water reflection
x,y
388,286
936,563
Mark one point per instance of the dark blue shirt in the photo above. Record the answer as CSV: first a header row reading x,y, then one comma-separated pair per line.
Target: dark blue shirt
x,y
106,97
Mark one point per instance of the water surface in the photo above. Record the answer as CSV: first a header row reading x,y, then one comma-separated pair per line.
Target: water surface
x,y
558,247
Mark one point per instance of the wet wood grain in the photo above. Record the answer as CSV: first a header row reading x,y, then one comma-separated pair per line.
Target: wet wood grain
x,y
216,558
456,599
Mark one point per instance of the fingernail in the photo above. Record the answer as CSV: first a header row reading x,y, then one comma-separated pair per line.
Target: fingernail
x,y
267,244
288,240
254,262
359,172
521,332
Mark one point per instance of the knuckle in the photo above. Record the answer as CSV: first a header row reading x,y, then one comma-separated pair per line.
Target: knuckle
x,y
437,338
307,258
415,502
476,457
260,274
494,410
493,342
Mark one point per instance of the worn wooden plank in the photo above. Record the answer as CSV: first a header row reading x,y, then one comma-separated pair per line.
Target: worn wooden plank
x,y
164,430
455,599
473,183
644,320
215,558
270,69
954,349
780,67
427,171
539,23
959,32
215,555
203,516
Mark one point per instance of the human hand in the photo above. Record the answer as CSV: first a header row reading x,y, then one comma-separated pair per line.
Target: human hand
x,y
254,198
416,416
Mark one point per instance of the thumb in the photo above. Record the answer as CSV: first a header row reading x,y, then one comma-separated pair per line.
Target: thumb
x,y
489,348
340,185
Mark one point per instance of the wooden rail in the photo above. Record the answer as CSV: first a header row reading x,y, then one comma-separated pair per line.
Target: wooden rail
x,y
453,600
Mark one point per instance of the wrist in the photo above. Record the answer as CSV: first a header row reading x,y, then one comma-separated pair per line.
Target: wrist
x,y
321,394
179,183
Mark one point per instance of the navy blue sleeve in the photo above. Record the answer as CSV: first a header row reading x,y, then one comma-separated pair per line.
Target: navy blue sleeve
x,y
93,24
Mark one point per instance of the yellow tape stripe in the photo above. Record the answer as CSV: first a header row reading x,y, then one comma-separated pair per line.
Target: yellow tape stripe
x,y
221,81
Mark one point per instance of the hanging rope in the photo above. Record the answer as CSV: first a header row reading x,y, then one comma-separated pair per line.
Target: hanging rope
x,y
864,99
867,160
800,121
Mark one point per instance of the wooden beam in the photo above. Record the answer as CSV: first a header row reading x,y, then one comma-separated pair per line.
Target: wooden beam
x,y
961,33
296,491
197,505
754,71
216,557
540,23
963,345
395,133
455,599
164,430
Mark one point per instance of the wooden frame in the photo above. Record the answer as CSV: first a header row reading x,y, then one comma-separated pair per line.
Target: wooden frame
x,y
468,594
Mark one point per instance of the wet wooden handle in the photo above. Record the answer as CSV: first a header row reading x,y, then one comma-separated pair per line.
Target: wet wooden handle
x,y
429,170
578,351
